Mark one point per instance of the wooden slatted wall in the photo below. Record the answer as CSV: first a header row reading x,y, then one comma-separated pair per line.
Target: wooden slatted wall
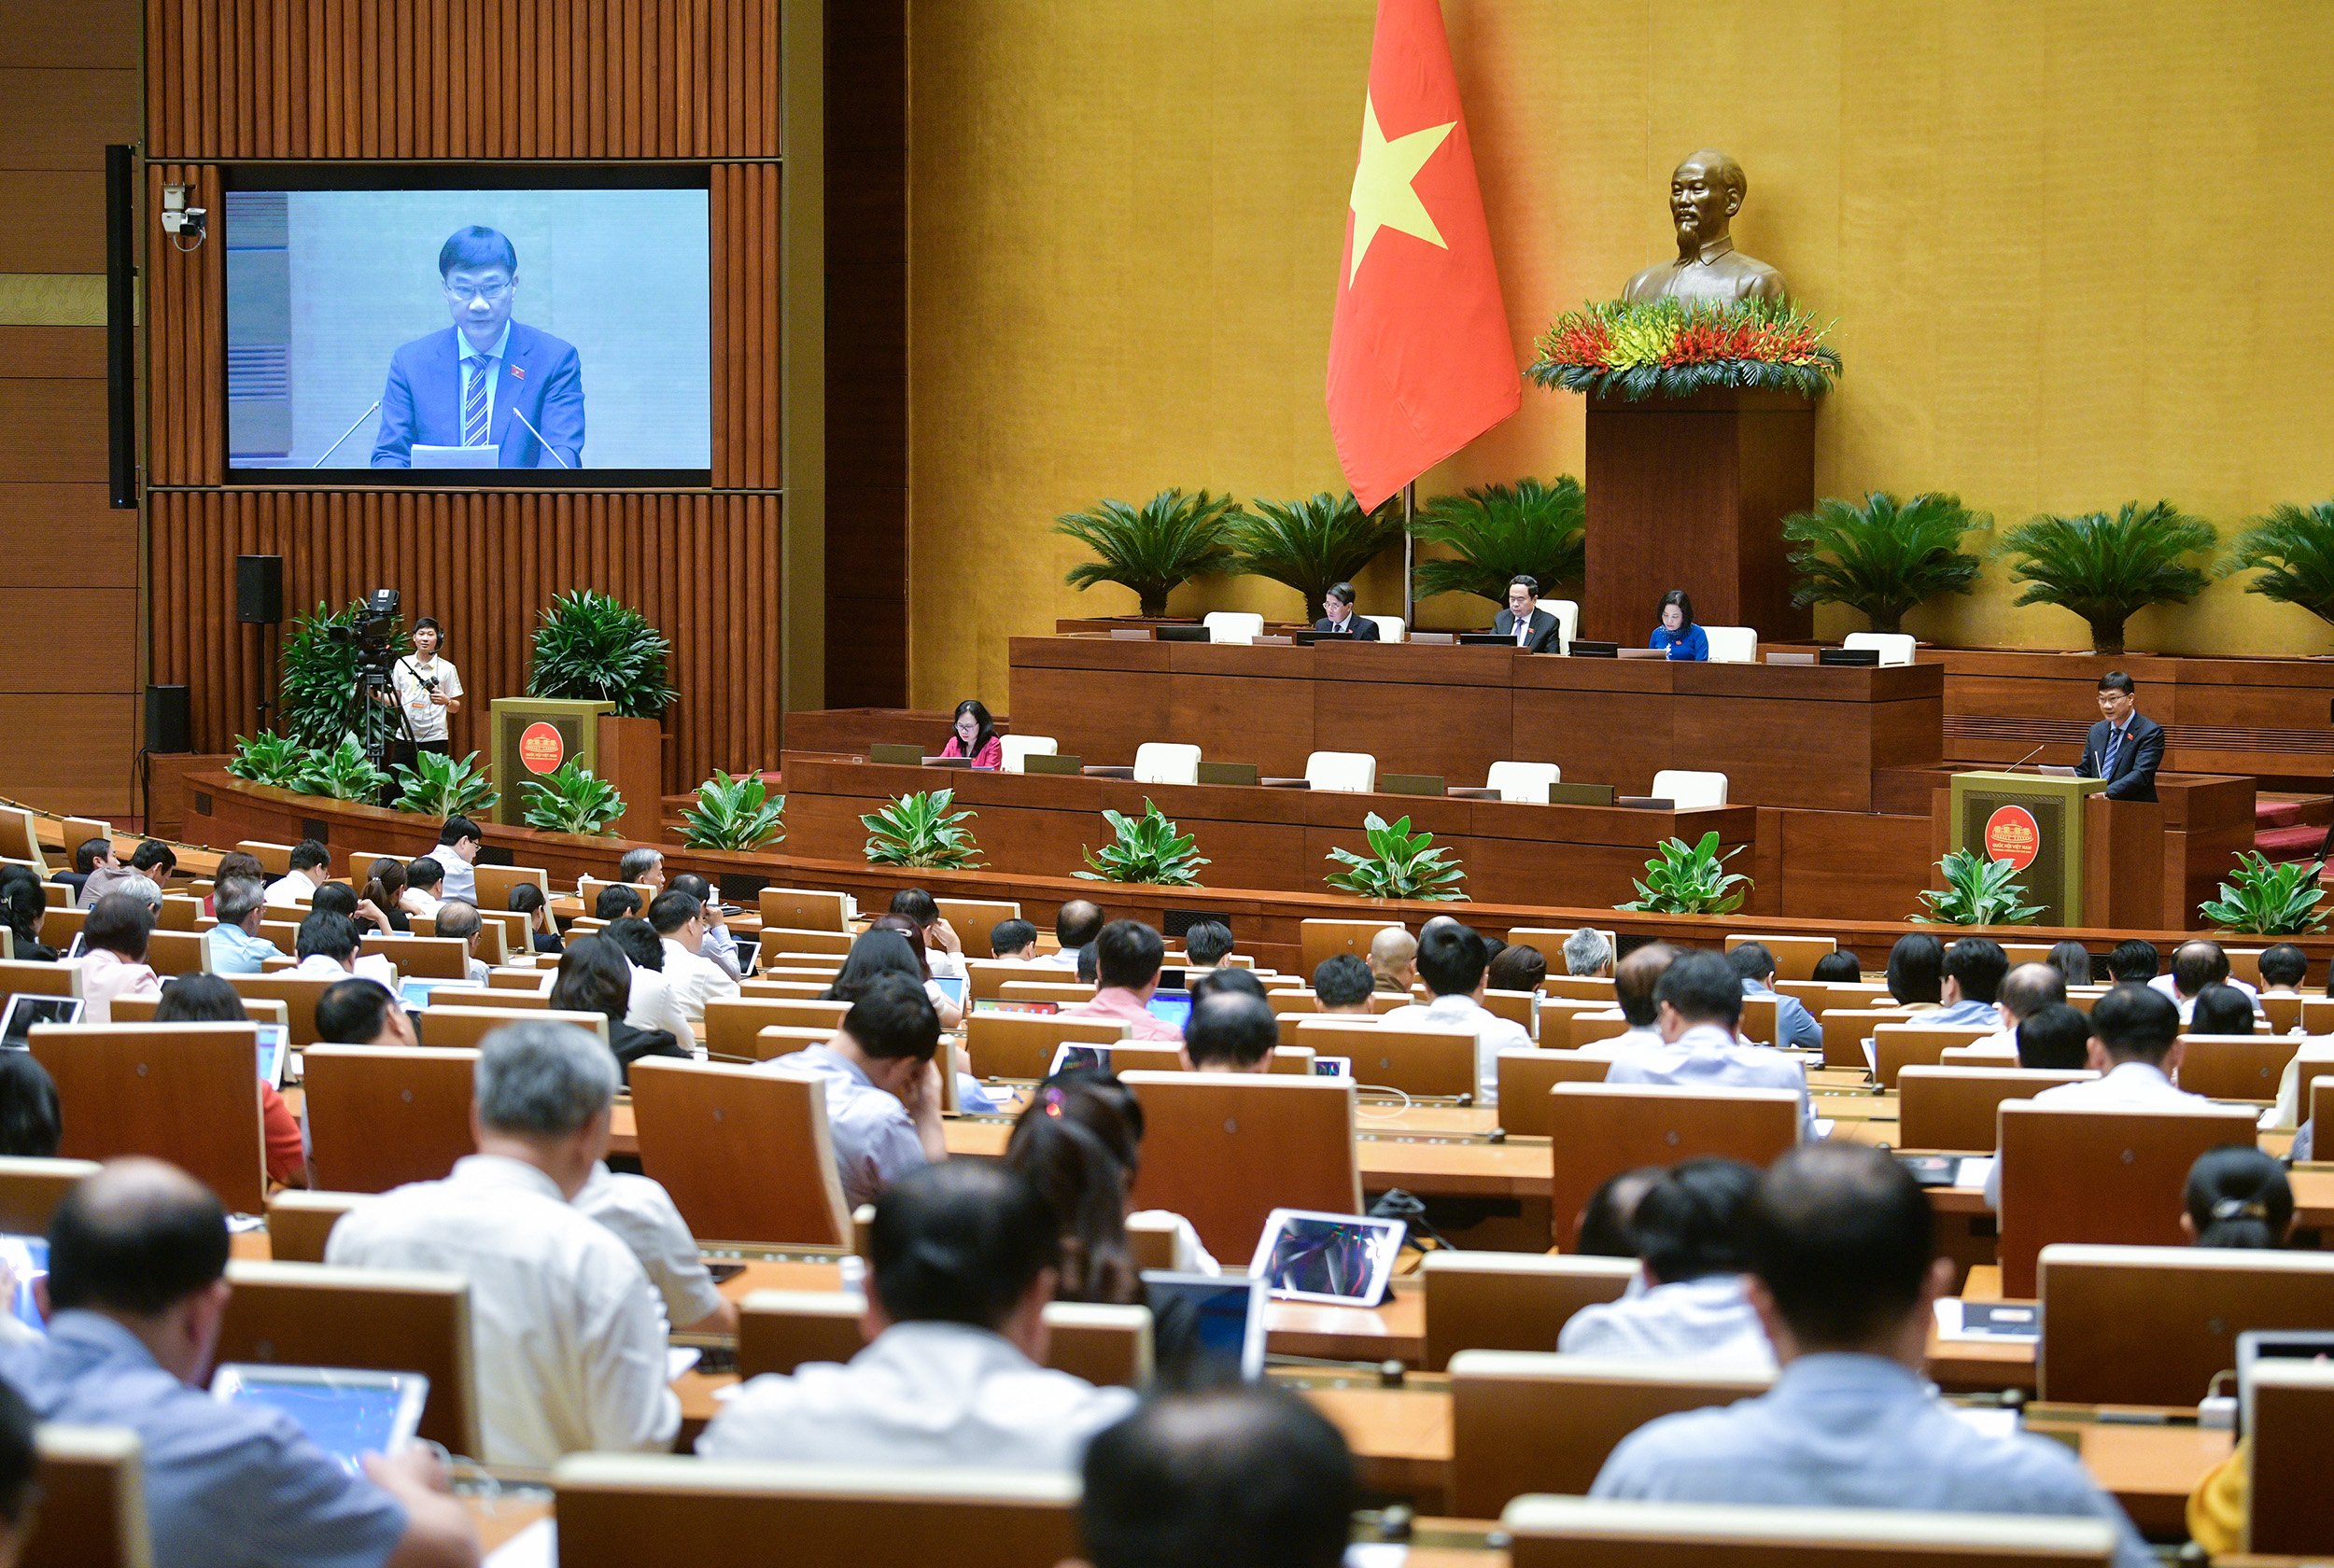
x,y
687,80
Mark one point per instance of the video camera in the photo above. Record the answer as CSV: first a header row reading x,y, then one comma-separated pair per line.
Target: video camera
x,y
372,632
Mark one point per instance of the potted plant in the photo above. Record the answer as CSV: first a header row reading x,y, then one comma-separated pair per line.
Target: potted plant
x,y
2293,549
2262,898
267,758
572,800
345,773
1400,864
920,831
1145,848
1685,878
1977,892
1314,543
436,785
734,814
1500,531
1154,549
1883,556
2107,569
593,648
317,699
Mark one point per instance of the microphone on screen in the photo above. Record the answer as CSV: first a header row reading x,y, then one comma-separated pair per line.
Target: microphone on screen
x,y
345,434
539,436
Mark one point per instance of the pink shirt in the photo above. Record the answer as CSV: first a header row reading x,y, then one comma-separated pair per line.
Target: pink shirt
x,y
992,756
106,974
1124,1007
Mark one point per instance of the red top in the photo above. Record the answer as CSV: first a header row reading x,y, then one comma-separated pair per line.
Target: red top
x,y
992,756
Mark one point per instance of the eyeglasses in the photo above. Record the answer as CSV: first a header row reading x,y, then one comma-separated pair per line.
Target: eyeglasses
x,y
491,292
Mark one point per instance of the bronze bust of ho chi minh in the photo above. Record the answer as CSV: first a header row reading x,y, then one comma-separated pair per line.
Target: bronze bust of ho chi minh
x,y
1705,193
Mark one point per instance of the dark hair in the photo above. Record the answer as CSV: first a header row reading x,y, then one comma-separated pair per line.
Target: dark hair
x,y
25,905
235,862
2134,959
671,911
893,1018
199,999
151,854
1216,981
1634,979
985,728
1689,1224
689,882
352,1012
137,1238
1450,959
423,873
2135,1023
1077,923
1084,1182
1242,1477
1207,942
1684,602
525,899
477,246
2056,1036
2071,959
2282,964
1843,1239
1229,1030
1703,987
310,852
2221,1010
915,905
1089,965
456,829
89,852
1127,954
1528,583
1517,968
334,898
593,977
638,941
31,1122
1342,980
384,882
1752,960
120,923
19,1462
1916,968
1342,591
960,1241
333,935
2239,1196
615,902
1977,963
430,623
2030,986
1838,965
877,950
2197,964
1605,1221
1010,936
2115,680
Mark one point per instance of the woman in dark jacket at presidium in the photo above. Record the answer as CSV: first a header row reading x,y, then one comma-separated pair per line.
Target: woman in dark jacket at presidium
x,y
974,735
1678,634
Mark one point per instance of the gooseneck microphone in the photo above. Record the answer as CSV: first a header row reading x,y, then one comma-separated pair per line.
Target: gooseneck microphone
x,y
345,434
522,418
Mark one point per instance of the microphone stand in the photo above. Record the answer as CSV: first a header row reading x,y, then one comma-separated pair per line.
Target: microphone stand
x,y
345,434
539,436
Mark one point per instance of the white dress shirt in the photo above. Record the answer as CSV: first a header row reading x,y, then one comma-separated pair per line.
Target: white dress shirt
x,y
873,1136
694,980
461,877
566,1333
2131,1085
412,901
651,1005
1191,1254
1493,1034
946,965
2163,983
425,719
1707,1057
291,888
642,1215
923,1394
1635,1037
1706,1321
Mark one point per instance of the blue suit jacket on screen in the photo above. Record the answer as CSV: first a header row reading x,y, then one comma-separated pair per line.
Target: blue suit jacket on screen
x,y
542,375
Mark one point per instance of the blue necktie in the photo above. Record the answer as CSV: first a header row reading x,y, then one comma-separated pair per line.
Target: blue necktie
x,y
474,402
2107,764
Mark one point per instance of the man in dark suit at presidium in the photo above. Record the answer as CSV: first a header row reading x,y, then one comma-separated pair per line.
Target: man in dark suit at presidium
x,y
2126,746
1533,629
487,378
1338,618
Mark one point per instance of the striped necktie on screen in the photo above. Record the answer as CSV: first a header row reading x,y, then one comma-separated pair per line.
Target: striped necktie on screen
x,y
474,401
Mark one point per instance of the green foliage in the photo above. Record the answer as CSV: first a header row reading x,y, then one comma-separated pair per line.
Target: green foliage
x,y
1314,543
598,648
1977,892
1153,550
345,773
318,688
1501,531
2261,899
1145,848
573,799
1399,865
734,814
2293,549
1883,556
1690,879
2106,569
920,831
439,786
267,758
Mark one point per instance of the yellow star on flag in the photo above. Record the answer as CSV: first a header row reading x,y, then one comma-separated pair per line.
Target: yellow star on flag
x,y
1383,194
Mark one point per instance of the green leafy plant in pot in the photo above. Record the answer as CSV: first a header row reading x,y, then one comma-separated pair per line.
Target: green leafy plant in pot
x,y
2293,549
345,773
1400,864
572,800
1685,878
1883,556
1529,528
316,690
1977,892
267,758
2107,569
436,785
1312,544
1153,549
2262,898
738,813
920,831
1145,848
595,648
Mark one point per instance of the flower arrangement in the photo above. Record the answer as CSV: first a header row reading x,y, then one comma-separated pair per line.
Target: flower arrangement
x,y
1662,347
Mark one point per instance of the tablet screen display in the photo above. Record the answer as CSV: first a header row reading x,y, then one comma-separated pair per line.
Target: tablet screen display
x,y
1172,1007
1327,1257
1210,1329
347,1415
27,1260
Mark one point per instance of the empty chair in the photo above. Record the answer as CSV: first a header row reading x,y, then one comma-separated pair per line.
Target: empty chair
x,y
1955,1108
1526,1077
1166,762
1022,1044
1390,627
186,1093
1353,773
1511,1301
1427,1060
1606,1128
1690,791
1733,645
92,1510
745,1155
1894,647
1224,1149
1524,781
1018,749
1567,614
2288,1403
1591,1532
2154,1325
30,1189
300,1223
806,908
1232,625
380,1116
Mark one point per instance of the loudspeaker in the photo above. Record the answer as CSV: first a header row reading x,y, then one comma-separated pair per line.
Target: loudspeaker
x,y
167,726
260,589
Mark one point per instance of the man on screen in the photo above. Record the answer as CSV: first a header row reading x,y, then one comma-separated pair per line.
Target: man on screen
x,y
485,381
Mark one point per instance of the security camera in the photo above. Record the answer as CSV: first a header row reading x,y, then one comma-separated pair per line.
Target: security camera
x,y
187,221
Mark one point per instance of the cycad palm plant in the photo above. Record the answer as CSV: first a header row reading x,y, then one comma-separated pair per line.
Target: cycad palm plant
x,y
1153,549
1883,556
2293,549
1314,543
2107,569
1501,531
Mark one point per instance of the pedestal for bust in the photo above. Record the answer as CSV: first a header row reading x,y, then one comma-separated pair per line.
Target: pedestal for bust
x,y
1691,493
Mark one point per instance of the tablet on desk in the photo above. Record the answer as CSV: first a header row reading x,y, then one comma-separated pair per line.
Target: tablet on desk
x,y
27,1260
274,1045
346,1412
952,988
1341,1259
414,994
749,953
1026,1009
1171,1007
25,1010
1208,1328
1071,1055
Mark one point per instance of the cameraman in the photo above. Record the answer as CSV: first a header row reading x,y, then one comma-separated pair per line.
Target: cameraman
x,y
427,688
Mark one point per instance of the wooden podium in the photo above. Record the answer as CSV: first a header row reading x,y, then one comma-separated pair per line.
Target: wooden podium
x,y
1691,493
2036,823
532,736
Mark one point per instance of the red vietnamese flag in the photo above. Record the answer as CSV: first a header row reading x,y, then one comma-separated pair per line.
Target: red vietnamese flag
x,y
1420,359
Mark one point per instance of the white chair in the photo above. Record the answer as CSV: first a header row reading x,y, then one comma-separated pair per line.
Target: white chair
x,y
1567,614
1733,645
1352,773
1390,627
1018,746
1232,625
1166,762
1524,781
1690,791
1894,647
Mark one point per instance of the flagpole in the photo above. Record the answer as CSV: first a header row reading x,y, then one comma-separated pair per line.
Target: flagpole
x,y
1410,606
